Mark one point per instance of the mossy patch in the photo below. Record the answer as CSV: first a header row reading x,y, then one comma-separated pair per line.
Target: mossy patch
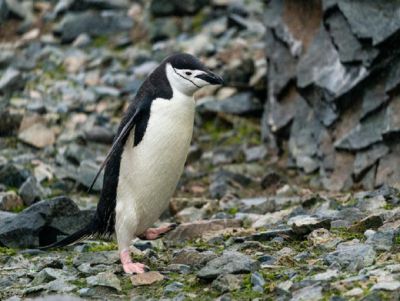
x,y
103,246
7,251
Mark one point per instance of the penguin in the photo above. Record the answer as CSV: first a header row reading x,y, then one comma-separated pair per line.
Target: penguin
x,y
147,157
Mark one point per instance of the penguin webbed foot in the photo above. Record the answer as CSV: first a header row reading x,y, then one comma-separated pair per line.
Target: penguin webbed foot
x,y
134,268
129,266
155,233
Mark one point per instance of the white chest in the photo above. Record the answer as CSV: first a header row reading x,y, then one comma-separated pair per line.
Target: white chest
x,y
150,171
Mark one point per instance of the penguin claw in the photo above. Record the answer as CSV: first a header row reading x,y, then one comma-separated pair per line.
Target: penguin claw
x,y
134,268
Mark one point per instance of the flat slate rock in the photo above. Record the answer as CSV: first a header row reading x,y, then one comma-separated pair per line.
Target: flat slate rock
x,y
230,262
377,20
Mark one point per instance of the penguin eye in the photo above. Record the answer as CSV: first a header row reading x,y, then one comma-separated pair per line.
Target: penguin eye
x,y
188,73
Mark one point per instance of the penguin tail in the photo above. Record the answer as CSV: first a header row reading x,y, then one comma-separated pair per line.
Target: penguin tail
x,y
84,233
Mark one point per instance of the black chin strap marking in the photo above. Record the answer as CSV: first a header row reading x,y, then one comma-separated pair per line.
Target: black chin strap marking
x,y
186,78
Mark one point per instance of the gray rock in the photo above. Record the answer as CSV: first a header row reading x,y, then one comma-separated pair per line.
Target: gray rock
x,y
368,132
239,104
365,159
106,279
255,153
10,80
94,258
228,263
371,19
351,256
387,286
173,287
386,174
12,176
162,29
9,123
50,274
304,224
175,7
258,282
3,11
282,67
178,268
23,10
306,136
227,283
193,257
93,24
41,223
321,67
86,172
309,293
392,124
259,205
90,269
380,240
271,234
221,183
349,47
99,134
31,191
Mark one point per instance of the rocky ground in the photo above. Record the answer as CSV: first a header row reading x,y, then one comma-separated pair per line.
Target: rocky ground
x,y
249,227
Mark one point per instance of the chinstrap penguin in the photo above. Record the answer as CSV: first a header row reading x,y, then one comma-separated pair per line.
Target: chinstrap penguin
x,y
147,157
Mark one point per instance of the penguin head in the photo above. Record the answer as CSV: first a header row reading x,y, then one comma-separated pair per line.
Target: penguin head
x,y
187,74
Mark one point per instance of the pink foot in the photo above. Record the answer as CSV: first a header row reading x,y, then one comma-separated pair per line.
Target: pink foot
x,y
154,233
129,266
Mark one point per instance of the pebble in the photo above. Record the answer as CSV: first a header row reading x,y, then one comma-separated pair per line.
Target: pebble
x,y
147,278
106,279
229,262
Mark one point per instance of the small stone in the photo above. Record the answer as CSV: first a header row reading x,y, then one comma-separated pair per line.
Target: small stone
x,y
106,279
38,135
387,285
239,104
178,268
10,78
354,292
227,283
352,255
373,221
146,278
10,201
326,276
230,262
31,191
258,282
309,293
255,153
9,122
304,224
323,238
103,257
192,257
173,287
380,240
13,176
189,214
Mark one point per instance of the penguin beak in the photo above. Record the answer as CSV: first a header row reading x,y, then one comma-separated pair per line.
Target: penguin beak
x,y
211,78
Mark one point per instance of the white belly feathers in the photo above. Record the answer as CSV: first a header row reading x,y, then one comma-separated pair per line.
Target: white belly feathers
x,y
150,171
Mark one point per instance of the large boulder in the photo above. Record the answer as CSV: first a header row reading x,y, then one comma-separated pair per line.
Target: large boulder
x,y
42,223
